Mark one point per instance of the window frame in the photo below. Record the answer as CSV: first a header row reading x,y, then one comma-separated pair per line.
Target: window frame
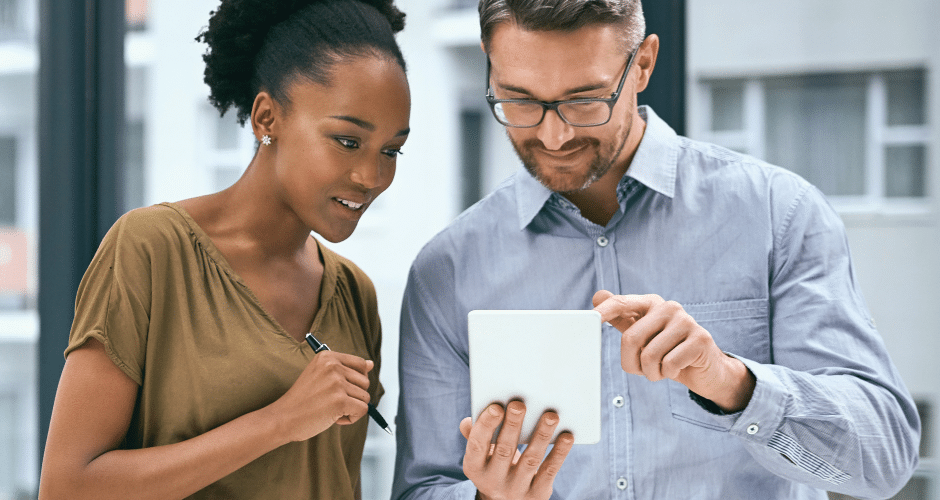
x,y
879,135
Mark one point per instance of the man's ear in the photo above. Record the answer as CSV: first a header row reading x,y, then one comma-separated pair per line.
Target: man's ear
x,y
482,47
646,61
264,112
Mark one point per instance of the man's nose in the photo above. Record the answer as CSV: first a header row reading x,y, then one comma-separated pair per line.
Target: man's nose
x,y
553,131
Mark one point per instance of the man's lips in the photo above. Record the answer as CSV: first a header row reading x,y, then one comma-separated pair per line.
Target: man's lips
x,y
561,153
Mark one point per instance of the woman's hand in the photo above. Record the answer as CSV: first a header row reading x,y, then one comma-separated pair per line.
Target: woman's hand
x,y
332,389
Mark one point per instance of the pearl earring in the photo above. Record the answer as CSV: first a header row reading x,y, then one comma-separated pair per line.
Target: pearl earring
x,y
266,140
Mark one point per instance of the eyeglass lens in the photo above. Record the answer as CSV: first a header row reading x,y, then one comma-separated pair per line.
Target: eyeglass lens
x,y
527,114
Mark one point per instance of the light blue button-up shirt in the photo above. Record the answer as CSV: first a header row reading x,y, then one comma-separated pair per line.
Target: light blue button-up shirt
x,y
753,252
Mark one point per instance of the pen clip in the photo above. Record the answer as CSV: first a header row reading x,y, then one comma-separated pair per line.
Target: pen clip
x,y
316,344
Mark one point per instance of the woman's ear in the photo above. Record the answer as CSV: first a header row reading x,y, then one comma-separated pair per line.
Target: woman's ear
x,y
264,112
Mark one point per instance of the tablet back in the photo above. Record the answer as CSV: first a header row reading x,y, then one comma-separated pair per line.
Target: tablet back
x,y
547,359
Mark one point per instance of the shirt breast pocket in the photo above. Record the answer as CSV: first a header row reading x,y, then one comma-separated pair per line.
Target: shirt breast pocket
x,y
740,327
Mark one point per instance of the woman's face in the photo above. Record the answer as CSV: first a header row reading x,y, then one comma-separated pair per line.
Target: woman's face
x,y
337,145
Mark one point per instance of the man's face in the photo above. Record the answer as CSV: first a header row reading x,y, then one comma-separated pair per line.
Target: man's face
x,y
554,66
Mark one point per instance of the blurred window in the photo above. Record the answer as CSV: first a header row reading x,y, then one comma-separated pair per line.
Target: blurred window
x,y
8,181
859,137
7,444
471,155
136,13
228,147
10,19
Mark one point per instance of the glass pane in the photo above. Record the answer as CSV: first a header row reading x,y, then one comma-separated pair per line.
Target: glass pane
x,y
7,445
136,13
19,459
727,105
904,171
133,164
7,181
925,410
905,97
135,106
918,488
816,128
227,130
223,177
10,25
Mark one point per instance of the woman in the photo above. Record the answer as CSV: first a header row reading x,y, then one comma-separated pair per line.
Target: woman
x,y
186,373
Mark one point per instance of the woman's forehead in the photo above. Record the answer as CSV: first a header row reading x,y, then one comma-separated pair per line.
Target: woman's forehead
x,y
362,86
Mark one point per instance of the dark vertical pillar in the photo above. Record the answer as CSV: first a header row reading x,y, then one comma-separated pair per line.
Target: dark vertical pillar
x,y
666,91
81,123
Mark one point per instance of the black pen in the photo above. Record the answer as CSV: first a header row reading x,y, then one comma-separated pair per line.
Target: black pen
x,y
319,346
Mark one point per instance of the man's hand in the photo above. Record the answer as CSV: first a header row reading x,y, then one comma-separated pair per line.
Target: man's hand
x,y
660,340
499,471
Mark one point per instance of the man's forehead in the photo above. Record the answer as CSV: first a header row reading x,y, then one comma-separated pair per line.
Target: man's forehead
x,y
512,44
555,61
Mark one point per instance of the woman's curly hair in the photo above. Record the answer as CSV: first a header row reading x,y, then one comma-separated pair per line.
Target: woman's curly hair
x,y
256,45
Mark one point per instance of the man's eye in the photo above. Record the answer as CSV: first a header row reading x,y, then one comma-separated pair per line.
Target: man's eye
x,y
392,153
347,143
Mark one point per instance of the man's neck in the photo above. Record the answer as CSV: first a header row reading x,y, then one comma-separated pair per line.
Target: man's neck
x,y
598,202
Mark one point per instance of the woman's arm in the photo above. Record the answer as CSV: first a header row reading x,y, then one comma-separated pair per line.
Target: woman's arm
x,y
93,408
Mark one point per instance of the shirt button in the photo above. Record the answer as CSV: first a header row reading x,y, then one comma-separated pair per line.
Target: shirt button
x,y
622,483
752,429
602,241
618,401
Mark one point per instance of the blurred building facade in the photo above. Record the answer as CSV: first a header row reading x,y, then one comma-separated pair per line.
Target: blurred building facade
x,y
845,93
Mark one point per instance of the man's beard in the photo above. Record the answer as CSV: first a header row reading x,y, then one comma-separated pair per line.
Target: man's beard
x,y
598,164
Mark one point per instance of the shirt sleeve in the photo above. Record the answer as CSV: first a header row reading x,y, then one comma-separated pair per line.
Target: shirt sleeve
x,y
831,410
434,378
112,304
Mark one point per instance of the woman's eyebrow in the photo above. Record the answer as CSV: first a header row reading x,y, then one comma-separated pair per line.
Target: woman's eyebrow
x,y
367,125
356,121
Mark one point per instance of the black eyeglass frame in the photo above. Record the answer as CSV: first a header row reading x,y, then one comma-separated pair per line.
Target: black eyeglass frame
x,y
546,106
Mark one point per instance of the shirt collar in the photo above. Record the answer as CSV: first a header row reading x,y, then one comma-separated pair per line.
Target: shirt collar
x,y
654,165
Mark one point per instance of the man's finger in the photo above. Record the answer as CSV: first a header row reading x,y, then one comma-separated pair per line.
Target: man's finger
x,y
601,296
534,454
545,477
622,311
465,426
507,443
478,441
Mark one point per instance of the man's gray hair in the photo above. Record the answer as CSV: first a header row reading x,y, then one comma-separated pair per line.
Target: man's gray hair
x,y
564,15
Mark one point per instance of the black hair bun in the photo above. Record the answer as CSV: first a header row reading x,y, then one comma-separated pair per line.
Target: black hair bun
x,y
236,34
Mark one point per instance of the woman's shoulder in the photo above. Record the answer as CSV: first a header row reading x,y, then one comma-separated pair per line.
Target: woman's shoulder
x,y
150,228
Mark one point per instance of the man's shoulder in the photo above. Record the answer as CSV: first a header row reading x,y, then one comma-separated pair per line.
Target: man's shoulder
x,y
708,165
495,213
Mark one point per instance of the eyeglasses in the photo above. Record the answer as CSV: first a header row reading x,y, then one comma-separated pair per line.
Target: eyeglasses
x,y
527,113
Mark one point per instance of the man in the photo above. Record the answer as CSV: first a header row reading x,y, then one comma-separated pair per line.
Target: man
x,y
739,360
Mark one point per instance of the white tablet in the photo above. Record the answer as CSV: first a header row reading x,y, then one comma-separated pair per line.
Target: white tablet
x,y
546,359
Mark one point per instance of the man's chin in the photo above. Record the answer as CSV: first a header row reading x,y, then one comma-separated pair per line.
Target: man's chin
x,y
564,180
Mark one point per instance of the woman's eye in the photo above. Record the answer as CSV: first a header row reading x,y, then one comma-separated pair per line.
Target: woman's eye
x,y
347,143
392,153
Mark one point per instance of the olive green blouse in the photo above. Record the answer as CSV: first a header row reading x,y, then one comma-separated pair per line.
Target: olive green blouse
x,y
175,317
